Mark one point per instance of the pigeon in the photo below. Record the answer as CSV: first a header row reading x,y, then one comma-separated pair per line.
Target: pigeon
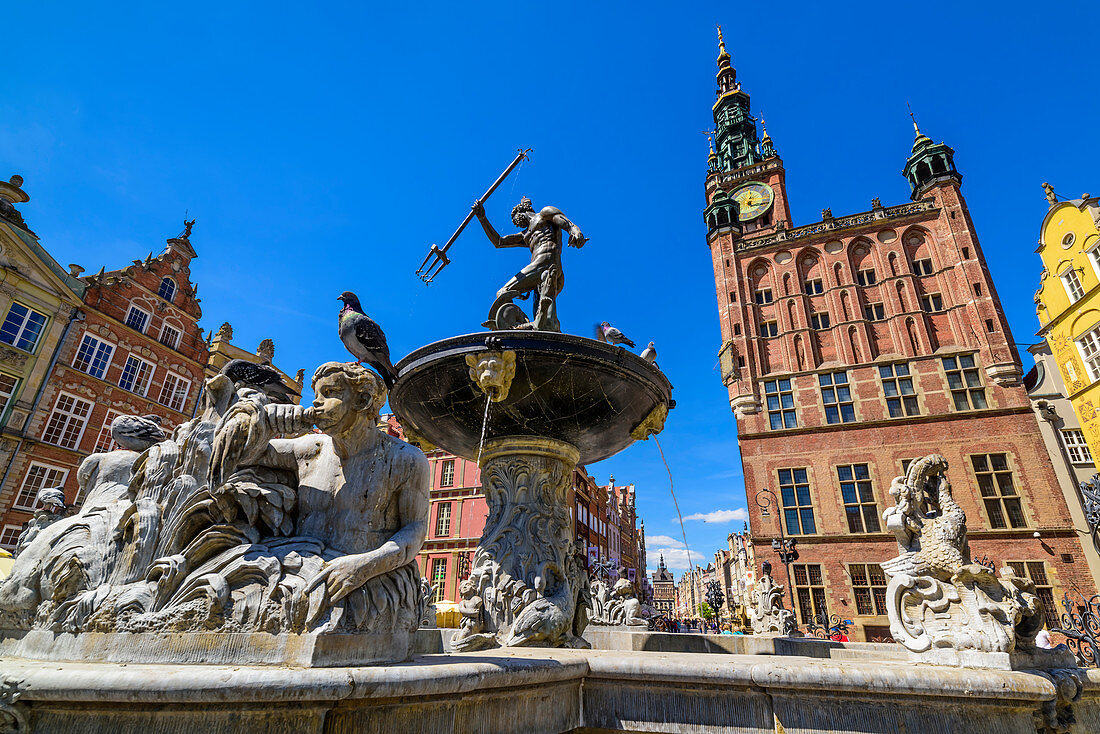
x,y
262,377
364,338
52,498
649,354
136,433
605,332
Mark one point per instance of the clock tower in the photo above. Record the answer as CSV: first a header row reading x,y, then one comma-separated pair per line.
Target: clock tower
x,y
746,190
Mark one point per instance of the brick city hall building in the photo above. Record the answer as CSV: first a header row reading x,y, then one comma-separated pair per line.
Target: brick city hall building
x,y
852,346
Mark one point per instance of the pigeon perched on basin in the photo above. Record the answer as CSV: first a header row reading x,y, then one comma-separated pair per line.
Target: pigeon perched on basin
x,y
262,377
605,332
136,433
364,338
52,498
649,354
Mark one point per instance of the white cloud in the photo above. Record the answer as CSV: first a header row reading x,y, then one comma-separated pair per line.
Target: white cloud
x,y
720,516
664,541
675,558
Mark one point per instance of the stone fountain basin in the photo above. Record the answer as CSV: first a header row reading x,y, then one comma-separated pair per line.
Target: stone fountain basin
x,y
569,388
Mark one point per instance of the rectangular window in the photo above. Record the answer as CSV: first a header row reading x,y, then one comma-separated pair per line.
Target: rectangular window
x,y
897,386
769,328
1094,258
869,585
8,384
1037,572
38,477
819,320
866,277
447,473
137,319
837,397
977,289
93,356
932,303
443,520
814,287
105,441
763,296
66,424
169,337
1089,346
998,490
9,536
809,584
22,327
922,267
965,382
136,375
874,312
798,507
439,577
1076,447
174,391
779,398
1072,285
737,329
859,498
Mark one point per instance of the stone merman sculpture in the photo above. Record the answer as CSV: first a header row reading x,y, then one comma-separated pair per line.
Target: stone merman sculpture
x,y
53,508
226,527
936,596
615,604
767,615
428,611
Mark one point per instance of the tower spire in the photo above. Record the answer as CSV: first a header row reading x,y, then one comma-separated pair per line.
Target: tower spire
x,y
767,147
727,75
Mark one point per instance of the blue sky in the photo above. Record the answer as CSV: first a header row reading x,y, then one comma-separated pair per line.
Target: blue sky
x,y
324,150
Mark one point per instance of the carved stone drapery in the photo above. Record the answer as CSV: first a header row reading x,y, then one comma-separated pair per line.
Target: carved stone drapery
x,y
526,586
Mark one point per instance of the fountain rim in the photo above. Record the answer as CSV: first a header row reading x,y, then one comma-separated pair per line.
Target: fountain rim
x,y
531,340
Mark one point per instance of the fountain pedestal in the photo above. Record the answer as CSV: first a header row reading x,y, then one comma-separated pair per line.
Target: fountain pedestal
x,y
553,401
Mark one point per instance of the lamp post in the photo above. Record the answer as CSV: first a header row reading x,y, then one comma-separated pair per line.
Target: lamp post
x,y
783,546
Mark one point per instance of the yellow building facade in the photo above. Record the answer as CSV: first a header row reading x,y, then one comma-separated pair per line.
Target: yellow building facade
x,y
1068,304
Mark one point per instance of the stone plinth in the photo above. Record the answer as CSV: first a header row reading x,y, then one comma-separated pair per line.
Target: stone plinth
x,y
540,690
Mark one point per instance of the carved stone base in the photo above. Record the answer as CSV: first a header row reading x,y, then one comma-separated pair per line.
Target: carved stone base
x,y
526,587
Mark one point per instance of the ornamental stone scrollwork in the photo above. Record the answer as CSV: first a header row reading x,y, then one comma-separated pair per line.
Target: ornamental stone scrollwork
x,y
939,601
526,587
13,357
14,714
227,527
767,615
615,604
493,372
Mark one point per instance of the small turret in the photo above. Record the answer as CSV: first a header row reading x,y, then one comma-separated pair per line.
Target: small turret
x,y
928,163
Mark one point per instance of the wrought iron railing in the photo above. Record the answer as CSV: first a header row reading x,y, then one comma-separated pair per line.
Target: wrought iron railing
x,y
1081,627
823,625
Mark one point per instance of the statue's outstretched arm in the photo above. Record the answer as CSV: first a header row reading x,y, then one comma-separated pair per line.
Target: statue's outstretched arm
x,y
576,238
509,240
244,436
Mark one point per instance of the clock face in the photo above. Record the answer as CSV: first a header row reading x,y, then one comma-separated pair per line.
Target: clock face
x,y
753,199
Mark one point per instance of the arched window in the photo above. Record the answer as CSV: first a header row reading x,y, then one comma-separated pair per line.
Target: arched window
x,y
167,289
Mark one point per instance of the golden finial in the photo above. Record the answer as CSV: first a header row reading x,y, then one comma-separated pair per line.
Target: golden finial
x,y
723,55
913,118
763,125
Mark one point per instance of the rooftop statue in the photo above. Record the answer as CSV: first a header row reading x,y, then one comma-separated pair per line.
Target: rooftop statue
x,y
225,526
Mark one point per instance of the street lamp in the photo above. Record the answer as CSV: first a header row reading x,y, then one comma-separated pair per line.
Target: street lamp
x,y
784,547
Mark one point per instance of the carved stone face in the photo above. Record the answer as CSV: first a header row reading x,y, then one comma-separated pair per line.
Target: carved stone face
x,y
335,405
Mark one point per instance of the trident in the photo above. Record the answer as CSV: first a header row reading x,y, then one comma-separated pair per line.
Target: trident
x,y
437,256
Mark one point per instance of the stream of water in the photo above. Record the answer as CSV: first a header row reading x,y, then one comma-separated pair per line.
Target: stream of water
x,y
675,503
484,426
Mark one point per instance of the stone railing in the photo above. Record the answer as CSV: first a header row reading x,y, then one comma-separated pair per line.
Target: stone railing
x,y
883,214
732,177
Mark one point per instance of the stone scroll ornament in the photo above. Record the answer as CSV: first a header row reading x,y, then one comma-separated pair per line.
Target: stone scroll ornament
x,y
527,585
615,604
936,596
225,526
767,615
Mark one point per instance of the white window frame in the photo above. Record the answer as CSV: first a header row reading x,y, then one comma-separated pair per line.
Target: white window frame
x,y
148,318
23,326
1072,283
1076,447
171,295
101,341
148,384
176,342
1089,344
15,539
8,397
29,507
182,383
72,416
